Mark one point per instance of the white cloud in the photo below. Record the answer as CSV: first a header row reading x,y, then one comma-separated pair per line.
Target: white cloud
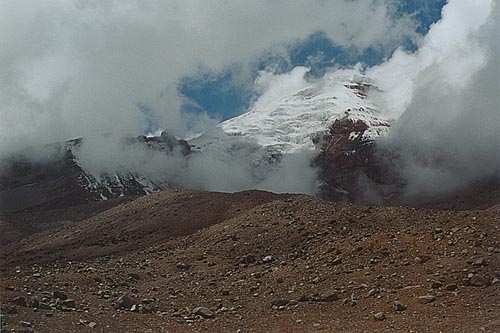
x,y
447,99
79,68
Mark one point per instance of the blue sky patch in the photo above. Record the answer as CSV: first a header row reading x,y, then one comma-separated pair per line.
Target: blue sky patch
x,y
222,95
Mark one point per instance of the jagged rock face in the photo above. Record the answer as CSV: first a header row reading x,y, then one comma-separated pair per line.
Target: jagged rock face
x,y
62,182
351,168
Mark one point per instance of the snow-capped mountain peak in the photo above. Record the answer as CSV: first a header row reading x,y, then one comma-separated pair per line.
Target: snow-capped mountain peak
x,y
292,120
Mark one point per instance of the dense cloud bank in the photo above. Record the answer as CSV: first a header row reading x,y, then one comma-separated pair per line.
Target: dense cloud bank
x,y
82,68
446,101
86,68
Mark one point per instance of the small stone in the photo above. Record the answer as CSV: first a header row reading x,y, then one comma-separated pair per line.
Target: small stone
x,y
398,306
92,324
279,302
436,285
59,294
44,306
451,287
69,303
34,302
249,259
371,292
182,265
25,323
203,312
303,298
134,276
267,259
379,316
495,280
125,302
20,300
480,262
330,296
144,310
478,281
426,299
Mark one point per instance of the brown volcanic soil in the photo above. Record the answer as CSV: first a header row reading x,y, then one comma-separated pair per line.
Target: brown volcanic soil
x,y
242,251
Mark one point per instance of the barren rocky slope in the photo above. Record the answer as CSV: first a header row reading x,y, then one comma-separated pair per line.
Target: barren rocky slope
x,y
255,261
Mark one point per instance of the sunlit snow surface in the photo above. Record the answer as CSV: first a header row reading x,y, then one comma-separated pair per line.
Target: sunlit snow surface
x,y
291,121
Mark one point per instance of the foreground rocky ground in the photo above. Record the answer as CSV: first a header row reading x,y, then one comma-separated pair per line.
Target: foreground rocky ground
x,y
185,261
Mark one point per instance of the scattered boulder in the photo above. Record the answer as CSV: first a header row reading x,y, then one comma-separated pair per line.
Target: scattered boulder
x,y
379,316
398,306
436,285
44,306
279,302
58,294
478,281
125,302
69,303
451,287
34,302
480,262
249,259
267,259
203,312
426,299
20,300
330,296
182,265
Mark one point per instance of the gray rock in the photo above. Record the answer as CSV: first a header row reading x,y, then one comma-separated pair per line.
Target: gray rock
x,y
44,306
436,285
34,302
134,276
25,323
203,312
182,265
20,300
478,281
371,292
398,306
480,262
379,316
279,302
125,302
59,294
451,287
330,296
249,259
69,303
426,299
267,259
